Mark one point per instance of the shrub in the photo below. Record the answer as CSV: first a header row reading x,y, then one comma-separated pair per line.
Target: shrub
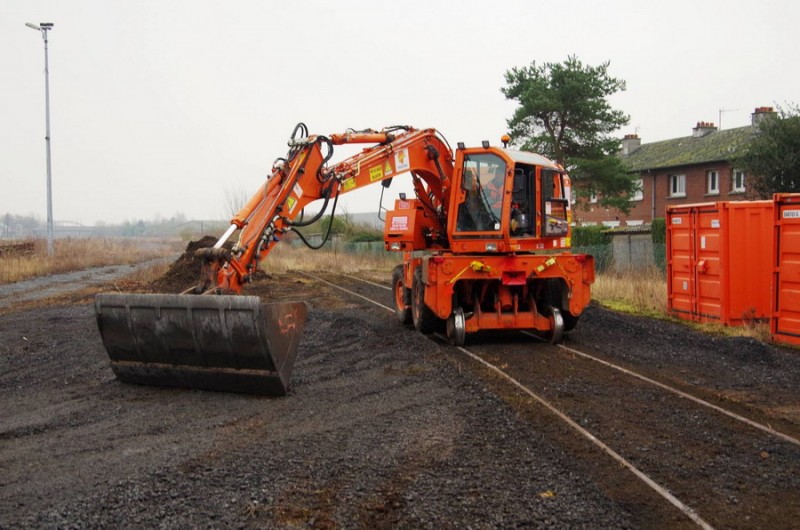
x,y
659,231
587,236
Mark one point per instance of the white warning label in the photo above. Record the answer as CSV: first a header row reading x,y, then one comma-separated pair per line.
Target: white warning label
x,y
791,214
399,223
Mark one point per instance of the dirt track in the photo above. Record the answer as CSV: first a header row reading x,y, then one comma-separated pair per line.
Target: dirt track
x,y
383,428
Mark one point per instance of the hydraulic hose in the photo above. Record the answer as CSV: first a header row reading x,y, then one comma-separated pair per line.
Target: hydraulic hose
x,y
327,233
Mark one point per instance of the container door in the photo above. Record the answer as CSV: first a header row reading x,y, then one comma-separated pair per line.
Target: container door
x,y
707,264
748,237
786,323
680,256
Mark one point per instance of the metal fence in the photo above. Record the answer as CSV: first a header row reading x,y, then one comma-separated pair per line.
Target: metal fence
x,y
623,254
630,255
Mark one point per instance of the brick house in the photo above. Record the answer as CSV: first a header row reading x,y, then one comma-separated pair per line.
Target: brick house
x,y
686,170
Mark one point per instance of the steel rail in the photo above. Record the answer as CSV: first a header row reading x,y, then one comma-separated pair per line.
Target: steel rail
x,y
752,423
760,426
660,490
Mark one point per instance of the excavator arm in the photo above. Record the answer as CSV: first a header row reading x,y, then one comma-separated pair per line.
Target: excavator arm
x,y
221,340
303,177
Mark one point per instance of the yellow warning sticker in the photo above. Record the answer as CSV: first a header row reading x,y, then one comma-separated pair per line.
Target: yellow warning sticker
x,y
387,168
349,184
291,202
375,173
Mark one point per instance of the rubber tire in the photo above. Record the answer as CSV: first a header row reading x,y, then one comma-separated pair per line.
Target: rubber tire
x,y
570,320
554,298
425,321
401,296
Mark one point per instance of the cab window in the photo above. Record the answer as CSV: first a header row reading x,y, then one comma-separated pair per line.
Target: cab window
x,y
482,182
555,204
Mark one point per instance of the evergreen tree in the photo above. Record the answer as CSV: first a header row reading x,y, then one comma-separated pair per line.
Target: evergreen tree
x,y
564,114
772,158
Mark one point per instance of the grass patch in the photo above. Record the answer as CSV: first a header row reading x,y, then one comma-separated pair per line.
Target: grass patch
x,y
23,260
642,292
286,258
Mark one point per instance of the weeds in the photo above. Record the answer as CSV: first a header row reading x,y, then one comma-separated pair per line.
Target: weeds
x,y
641,291
28,259
285,258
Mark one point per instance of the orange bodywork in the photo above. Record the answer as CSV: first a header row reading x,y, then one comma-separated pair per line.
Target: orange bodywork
x,y
498,257
719,261
507,278
785,324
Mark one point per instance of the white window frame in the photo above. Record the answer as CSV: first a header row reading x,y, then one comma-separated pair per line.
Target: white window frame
x,y
737,175
712,182
593,198
677,185
638,195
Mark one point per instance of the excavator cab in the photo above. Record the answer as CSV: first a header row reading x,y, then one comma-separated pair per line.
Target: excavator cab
x,y
513,196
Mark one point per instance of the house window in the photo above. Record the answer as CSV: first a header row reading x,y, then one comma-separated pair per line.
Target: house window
x,y
737,181
677,185
593,198
638,195
712,182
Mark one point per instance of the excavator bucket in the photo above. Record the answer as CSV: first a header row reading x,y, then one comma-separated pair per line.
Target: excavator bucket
x,y
227,343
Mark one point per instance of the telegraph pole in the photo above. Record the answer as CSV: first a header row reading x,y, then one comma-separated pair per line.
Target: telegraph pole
x,y
44,27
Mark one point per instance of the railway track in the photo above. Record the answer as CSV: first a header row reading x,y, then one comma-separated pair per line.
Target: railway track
x,y
715,466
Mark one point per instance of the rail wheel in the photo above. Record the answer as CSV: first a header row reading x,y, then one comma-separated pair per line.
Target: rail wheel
x,y
556,333
425,321
456,327
402,297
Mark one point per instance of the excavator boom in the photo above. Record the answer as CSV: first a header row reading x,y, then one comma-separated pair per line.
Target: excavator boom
x,y
214,338
485,245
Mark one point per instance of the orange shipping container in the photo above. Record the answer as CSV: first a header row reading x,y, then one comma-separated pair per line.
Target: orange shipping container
x,y
786,318
719,261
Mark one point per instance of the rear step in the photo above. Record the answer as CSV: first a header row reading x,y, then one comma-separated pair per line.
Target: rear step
x,y
227,343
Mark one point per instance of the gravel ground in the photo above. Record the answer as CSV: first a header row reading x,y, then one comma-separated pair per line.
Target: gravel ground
x,y
382,428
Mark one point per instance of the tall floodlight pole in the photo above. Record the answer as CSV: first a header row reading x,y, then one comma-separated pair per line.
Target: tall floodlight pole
x,y
44,27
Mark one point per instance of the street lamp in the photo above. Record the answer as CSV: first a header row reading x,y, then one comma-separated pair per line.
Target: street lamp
x,y
44,27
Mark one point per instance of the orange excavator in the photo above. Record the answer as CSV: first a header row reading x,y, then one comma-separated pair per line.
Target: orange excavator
x,y
485,244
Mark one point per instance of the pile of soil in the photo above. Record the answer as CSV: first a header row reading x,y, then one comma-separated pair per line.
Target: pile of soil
x,y
185,271
24,249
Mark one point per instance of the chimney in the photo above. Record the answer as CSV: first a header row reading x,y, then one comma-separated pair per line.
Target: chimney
x,y
630,143
703,128
761,114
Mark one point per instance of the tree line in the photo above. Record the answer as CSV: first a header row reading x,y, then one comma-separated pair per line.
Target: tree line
x,y
563,113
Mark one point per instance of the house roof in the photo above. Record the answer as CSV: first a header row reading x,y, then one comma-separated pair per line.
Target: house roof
x,y
715,146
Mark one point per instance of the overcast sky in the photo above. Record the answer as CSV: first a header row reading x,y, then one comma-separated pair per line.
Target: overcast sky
x,y
163,107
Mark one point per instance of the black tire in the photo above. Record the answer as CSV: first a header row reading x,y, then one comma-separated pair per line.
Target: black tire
x,y
570,320
425,321
555,298
401,296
